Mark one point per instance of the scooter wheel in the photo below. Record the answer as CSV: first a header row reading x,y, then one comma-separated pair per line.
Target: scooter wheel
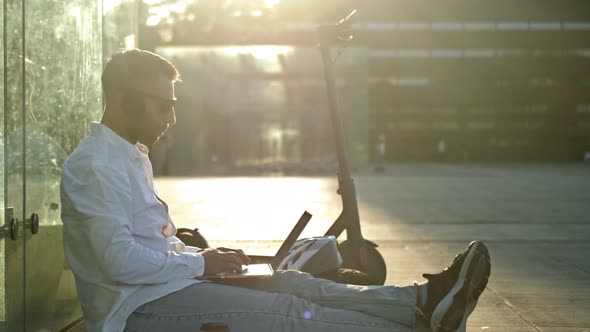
x,y
375,268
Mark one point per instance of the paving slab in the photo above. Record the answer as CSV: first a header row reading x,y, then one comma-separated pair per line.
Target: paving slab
x,y
535,219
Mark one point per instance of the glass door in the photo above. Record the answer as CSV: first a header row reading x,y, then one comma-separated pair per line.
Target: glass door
x,y
11,168
63,95
50,67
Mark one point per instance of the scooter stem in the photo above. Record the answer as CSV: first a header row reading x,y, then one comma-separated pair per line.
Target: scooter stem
x,y
349,218
337,125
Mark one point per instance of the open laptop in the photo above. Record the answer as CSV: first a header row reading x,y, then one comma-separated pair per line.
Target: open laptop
x,y
266,270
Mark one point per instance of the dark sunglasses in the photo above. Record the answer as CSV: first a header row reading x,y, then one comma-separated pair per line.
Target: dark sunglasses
x,y
165,103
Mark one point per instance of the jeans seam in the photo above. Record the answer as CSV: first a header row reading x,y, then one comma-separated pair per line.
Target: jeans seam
x,y
254,313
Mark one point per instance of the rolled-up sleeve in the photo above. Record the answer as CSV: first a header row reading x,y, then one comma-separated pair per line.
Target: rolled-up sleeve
x,y
102,200
178,246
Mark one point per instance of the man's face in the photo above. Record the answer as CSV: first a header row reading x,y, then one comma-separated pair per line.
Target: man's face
x,y
158,111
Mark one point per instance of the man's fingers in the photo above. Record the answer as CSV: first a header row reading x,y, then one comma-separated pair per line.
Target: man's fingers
x,y
236,261
245,260
218,261
232,261
224,260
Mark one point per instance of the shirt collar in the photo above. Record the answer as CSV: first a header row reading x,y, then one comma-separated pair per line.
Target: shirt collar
x,y
133,151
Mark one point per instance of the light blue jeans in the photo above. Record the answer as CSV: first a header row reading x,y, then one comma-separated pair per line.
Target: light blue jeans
x,y
291,301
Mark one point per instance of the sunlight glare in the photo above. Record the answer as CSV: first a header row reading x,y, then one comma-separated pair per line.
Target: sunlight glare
x,y
262,52
162,12
152,21
109,5
272,3
251,208
179,7
130,42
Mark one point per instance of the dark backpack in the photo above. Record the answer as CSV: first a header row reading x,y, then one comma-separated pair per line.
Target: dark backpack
x,y
192,237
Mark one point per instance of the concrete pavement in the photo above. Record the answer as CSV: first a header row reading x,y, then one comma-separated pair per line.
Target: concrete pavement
x,y
535,218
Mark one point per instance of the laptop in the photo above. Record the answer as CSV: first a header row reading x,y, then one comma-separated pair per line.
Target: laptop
x,y
266,270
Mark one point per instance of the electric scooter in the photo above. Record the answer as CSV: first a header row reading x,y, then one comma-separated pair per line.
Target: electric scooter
x,y
361,262
357,252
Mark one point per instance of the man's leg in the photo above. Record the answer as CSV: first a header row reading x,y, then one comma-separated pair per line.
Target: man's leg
x,y
294,300
249,310
450,296
393,303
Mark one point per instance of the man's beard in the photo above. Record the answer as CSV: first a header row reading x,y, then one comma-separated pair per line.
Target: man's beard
x,y
148,139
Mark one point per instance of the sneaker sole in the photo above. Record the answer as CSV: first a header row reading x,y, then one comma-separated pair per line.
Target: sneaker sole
x,y
473,303
451,313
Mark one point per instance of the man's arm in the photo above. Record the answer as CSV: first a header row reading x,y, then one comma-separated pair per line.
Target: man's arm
x,y
216,260
100,200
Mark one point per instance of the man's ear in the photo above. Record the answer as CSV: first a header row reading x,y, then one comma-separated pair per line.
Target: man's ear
x,y
132,105
114,100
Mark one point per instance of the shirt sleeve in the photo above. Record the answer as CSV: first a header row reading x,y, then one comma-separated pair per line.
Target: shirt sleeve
x,y
192,249
177,245
102,200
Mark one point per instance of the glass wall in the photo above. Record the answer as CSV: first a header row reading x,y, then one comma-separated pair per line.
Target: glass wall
x,y
52,57
2,222
63,94
13,166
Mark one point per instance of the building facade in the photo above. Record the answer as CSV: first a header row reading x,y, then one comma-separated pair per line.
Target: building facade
x,y
448,80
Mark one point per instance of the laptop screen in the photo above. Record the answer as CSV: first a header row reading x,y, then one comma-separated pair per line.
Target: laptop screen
x,y
290,240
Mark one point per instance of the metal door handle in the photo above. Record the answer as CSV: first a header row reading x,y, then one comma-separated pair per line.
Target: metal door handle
x,y
12,226
33,223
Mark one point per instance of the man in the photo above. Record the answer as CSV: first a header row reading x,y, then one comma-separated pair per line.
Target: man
x,y
133,274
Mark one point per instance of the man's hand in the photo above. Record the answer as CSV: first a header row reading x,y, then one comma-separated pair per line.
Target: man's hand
x,y
223,260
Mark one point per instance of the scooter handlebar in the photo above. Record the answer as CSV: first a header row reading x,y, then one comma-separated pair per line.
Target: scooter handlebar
x,y
340,32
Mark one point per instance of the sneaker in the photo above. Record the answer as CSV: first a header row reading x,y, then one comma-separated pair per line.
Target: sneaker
x,y
453,293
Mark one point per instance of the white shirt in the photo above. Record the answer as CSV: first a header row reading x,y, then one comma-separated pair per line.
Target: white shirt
x,y
118,237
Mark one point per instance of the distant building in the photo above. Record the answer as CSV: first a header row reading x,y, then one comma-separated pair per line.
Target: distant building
x,y
500,80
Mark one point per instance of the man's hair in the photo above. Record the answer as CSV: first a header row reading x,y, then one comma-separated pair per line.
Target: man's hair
x,y
124,69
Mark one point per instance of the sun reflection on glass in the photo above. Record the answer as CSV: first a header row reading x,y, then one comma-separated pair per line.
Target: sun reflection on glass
x,y
272,3
109,5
